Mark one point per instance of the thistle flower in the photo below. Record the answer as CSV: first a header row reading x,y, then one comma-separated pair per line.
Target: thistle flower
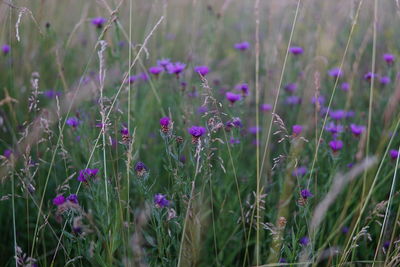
x,y
337,114
300,171
161,201
175,68
202,70
266,107
357,130
369,75
320,100
334,128
5,48
156,70
293,100
232,97
163,62
290,87
59,200
243,87
304,241
140,168
336,145
385,80
345,87
297,129
389,58
234,123
73,198
296,50
196,132
165,123
73,122
86,174
305,193
7,153
243,46
393,154
335,72
132,79
98,22
143,76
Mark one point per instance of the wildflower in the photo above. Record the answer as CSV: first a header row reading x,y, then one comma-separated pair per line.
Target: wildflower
x,y
140,168
357,130
389,58
386,244
51,94
98,22
345,87
300,171
232,97
305,193
282,260
233,141
320,100
5,48
144,77
7,153
291,87
131,79
73,198
163,62
266,107
335,72
293,100
86,174
337,114
196,132
234,123
253,129
202,70
368,76
202,109
73,122
334,128
385,80
125,135
394,154
345,229
243,46
244,88
336,145
296,50
304,241
176,68
156,70
59,200
161,201
165,123
297,129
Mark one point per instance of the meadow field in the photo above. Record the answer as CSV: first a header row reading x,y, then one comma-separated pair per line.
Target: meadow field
x,y
199,133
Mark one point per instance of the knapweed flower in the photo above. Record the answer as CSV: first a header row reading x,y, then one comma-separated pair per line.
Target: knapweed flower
x,y
202,109
232,97
296,50
156,70
144,76
59,200
345,229
163,62
320,100
304,241
290,87
243,46
165,123
5,48
86,174
176,68
385,80
345,87
305,193
234,141
243,87
336,145
266,107
161,201
389,58
196,132
7,153
393,154
334,128
293,100
300,171
202,70
357,130
297,129
132,79
51,94
126,138
73,122
98,22
335,72
140,168
234,123
369,75
73,198
253,130
337,114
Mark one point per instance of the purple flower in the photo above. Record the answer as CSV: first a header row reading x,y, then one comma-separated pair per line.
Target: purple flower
x,y
51,94
202,109
304,241
293,100
253,129
144,77
389,58
59,200
321,100
176,68
161,201
7,153
297,129
368,76
73,198
5,48
394,154
243,46
345,229
385,80
124,131
234,141
98,22
334,128
345,87
85,174
164,122
156,70
163,62
232,97
386,244
305,193
243,87
234,123
296,50
132,79
357,130
300,171
336,145
197,131
73,122
337,114
335,72
140,168
266,107
202,70
291,87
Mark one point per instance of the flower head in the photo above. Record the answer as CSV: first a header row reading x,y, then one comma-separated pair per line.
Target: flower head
x,y
369,75
389,58
132,79
59,200
357,130
140,168
176,68
300,171
197,131
161,201
5,48
334,128
243,46
305,193
266,107
98,22
293,100
296,50
290,87
297,129
86,174
336,145
7,153
73,122
385,80
165,123
232,97
51,94
345,87
394,154
243,87
304,241
202,70
73,198
163,62
335,72
156,70
337,114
